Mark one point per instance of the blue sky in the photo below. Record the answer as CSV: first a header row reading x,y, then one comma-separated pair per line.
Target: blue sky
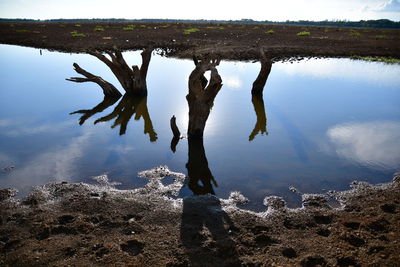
x,y
206,9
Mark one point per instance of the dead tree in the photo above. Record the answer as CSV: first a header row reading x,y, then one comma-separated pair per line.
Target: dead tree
x,y
133,80
108,89
261,123
201,96
259,83
126,108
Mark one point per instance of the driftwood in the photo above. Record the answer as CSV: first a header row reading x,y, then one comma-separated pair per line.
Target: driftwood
x,y
201,96
87,113
126,108
108,88
261,123
201,180
259,83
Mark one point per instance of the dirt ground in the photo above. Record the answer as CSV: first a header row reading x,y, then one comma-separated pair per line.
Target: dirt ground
x,y
229,41
65,224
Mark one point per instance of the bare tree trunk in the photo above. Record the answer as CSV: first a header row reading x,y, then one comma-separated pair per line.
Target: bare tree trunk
x,y
133,80
259,83
108,88
201,98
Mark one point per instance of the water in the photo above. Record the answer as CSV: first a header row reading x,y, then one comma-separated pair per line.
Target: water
x,y
329,122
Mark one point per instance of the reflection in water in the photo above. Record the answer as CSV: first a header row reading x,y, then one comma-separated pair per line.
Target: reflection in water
x,y
375,144
87,113
126,108
201,180
261,124
132,80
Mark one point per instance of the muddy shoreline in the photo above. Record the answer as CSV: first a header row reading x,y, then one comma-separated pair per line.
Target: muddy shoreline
x,y
227,41
62,224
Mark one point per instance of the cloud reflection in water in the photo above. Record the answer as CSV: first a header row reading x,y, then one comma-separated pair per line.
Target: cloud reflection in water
x,y
375,144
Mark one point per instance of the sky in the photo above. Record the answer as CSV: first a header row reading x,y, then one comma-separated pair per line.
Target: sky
x,y
276,10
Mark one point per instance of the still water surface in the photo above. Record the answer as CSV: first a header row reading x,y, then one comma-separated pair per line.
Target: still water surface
x,y
328,122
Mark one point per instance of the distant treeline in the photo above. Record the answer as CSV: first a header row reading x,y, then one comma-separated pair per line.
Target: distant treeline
x,y
380,23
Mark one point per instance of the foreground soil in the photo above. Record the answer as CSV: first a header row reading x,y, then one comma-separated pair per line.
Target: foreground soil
x,y
65,224
229,41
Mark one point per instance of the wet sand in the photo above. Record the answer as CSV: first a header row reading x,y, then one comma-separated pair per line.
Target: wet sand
x,y
62,224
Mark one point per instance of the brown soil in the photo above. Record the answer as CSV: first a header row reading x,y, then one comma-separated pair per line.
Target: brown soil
x,y
229,41
84,225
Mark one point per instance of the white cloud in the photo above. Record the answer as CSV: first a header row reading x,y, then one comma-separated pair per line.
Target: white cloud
x,y
374,144
232,82
4,123
388,6
58,164
24,129
343,68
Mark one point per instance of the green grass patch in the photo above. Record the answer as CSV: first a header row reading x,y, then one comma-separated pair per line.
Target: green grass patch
x,y
129,27
326,30
216,27
22,30
99,29
381,36
76,34
270,32
387,60
142,26
303,33
78,25
164,26
191,30
354,33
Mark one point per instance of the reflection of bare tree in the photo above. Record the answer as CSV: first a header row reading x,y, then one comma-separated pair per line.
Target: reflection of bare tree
x,y
133,81
201,96
201,180
126,108
261,124
87,113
